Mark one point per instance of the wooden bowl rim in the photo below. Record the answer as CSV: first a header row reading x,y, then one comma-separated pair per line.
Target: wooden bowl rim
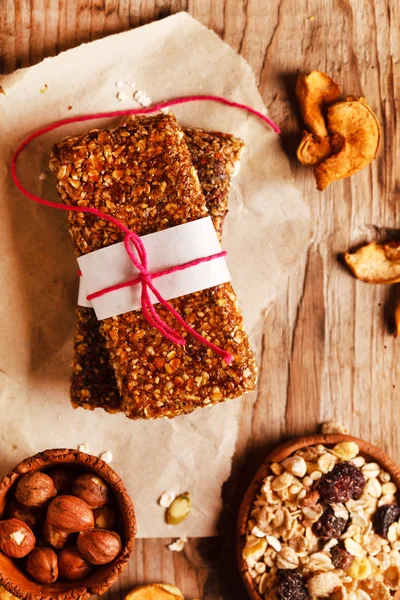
x,y
63,456
277,455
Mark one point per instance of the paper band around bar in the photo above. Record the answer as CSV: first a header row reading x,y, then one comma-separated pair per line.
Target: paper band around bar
x,y
165,249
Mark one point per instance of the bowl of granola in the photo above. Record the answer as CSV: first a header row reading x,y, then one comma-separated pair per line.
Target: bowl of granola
x,y
321,519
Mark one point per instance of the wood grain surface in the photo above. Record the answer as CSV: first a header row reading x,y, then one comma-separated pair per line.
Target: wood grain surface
x,y
328,350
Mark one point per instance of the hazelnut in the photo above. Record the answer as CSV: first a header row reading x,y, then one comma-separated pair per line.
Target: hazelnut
x,y
92,489
55,537
72,565
16,538
70,514
99,546
42,565
35,489
32,517
105,518
62,479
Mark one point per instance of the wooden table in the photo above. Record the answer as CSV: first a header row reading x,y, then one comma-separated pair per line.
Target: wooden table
x,y
328,351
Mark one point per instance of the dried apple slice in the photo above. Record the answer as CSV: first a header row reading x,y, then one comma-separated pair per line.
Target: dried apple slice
x,y
376,263
155,591
397,319
359,131
312,150
179,509
313,92
172,589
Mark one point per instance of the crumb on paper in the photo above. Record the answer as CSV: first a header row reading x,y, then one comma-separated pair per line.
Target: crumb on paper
x,y
70,107
43,176
2,91
166,499
333,427
84,448
142,98
121,96
131,84
165,110
119,84
178,545
312,18
44,88
236,169
107,456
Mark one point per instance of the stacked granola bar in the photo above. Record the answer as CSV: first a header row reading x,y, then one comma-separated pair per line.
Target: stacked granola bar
x,y
142,173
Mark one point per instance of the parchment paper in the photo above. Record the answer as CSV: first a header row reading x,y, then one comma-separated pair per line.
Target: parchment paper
x,y
267,231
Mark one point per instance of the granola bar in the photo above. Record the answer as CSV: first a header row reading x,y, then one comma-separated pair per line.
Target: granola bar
x,y
142,174
93,384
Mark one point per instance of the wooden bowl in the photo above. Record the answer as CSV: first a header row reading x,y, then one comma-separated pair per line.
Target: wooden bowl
x,y
12,574
366,449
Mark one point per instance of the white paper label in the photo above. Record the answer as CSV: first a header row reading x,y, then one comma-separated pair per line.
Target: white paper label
x,y
165,249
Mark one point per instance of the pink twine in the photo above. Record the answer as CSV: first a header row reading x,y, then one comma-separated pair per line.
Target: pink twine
x,y
187,265
131,238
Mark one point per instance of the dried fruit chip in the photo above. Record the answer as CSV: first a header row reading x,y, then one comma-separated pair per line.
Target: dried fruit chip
x,y
172,589
329,526
397,318
341,558
313,92
179,509
384,517
291,586
312,150
356,143
155,591
376,263
343,483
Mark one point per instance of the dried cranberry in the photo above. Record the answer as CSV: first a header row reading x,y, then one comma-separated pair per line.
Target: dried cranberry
x,y
343,483
384,517
291,586
329,526
341,558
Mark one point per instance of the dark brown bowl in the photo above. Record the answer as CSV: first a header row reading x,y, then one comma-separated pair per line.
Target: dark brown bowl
x,y
12,575
366,449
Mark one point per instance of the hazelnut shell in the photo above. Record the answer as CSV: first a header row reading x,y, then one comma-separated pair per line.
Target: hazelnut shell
x,y
70,514
35,489
72,566
16,538
99,546
63,479
55,537
31,516
42,565
105,518
92,490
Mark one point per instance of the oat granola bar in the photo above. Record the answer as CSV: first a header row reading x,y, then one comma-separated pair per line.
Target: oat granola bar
x,y
93,384
142,174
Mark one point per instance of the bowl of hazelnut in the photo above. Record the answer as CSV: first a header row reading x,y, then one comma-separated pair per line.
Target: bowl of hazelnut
x,y
67,526
321,519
